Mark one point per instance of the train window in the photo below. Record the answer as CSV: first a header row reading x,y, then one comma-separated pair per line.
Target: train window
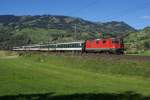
x,y
104,41
115,41
121,41
62,45
97,41
78,45
65,46
74,45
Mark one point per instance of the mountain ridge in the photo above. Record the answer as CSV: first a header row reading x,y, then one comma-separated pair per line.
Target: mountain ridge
x,y
24,30
63,22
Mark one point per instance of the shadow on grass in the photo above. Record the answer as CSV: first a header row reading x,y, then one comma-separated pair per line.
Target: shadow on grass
x,y
87,96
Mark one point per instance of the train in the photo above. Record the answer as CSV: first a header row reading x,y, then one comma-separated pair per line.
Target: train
x,y
100,45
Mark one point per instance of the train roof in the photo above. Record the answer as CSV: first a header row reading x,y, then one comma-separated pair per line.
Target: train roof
x,y
104,38
71,42
37,45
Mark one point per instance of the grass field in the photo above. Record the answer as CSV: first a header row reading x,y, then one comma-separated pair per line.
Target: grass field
x,y
145,53
70,75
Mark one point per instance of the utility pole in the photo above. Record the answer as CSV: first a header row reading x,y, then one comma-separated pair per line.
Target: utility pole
x,y
75,30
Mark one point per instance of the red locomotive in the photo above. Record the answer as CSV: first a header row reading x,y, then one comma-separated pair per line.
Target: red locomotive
x,y
109,45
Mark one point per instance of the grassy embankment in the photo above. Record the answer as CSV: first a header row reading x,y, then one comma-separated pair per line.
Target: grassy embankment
x,y
33,74
8,54
145,53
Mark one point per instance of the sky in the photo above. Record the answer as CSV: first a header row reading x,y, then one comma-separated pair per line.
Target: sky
x,y
136,13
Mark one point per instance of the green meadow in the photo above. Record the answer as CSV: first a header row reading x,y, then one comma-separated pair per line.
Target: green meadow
x,y
68,75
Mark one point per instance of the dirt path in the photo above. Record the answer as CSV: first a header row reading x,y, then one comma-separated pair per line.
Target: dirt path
x,y
9,57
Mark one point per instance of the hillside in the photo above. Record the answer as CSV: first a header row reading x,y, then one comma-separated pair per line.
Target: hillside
x,y
138,42
23,30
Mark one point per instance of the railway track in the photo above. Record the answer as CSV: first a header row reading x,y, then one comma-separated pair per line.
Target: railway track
x,y
117,57
124,57
94,55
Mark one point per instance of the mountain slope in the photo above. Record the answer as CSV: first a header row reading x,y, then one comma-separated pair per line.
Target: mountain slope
x,y
138,41
63,22
23,30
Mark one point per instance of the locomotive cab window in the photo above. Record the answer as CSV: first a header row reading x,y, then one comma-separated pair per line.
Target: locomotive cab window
x,y
121,41
97,41
104,41
115,41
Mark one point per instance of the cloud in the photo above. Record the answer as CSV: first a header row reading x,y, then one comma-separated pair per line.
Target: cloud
x,y
146,17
